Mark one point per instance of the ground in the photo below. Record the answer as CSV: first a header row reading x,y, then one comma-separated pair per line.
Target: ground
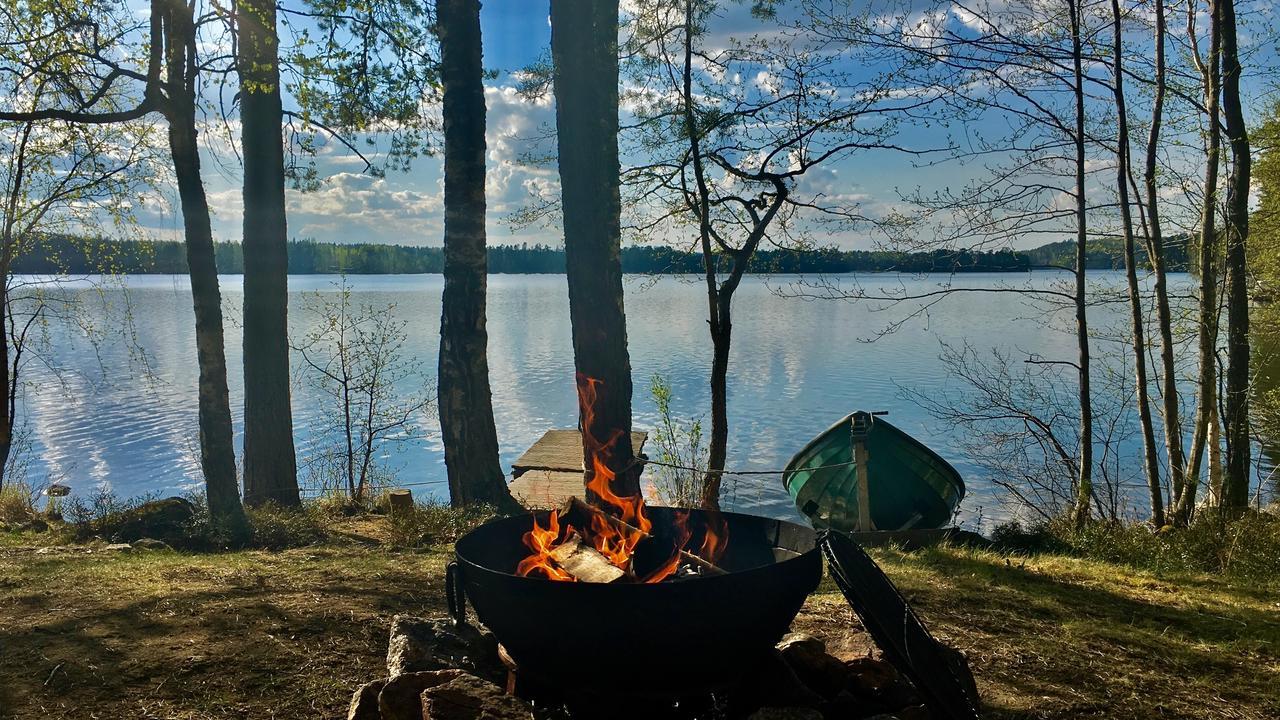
x,y
89,633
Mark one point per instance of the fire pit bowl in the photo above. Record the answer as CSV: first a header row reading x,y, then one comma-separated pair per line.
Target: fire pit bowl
x,y
656,640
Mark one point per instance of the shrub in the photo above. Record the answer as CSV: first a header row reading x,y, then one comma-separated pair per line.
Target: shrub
x,y
17,502
275,528
1246,547
434,522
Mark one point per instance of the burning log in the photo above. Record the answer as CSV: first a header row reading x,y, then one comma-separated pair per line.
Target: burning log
x,y
585,563
582,513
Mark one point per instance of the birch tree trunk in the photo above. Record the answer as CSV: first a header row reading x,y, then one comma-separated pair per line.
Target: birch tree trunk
x,y
1084,482
1150,457
1155,253
217,451
1207,380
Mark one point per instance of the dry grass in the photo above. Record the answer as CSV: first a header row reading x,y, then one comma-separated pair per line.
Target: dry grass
x,y
290,634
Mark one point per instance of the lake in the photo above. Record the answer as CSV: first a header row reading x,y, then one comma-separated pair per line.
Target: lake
x,y
121,412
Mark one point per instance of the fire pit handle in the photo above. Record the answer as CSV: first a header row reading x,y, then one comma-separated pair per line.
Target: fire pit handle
x,y
454,594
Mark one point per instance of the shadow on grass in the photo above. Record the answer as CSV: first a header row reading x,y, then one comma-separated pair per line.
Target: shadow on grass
x,y
1086,650
257,646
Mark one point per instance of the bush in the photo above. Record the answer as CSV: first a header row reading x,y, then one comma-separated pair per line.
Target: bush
x,y
434,522
275,528
1247,547
17,503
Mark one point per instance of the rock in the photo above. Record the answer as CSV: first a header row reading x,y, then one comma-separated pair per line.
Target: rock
x,y
36,524
364,702
771,684
421,644
869,677
118,547
150,544
470,698
401,697
796,639
785,713
166,519
821,672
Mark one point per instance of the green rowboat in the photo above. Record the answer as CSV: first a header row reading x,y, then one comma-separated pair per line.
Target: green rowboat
x,y
911,486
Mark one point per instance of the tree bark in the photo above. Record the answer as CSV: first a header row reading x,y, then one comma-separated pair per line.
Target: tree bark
x,y
465,403
270,465
217,450
584,51
1155,253
1235,483
1207,380
1150,457
1084,482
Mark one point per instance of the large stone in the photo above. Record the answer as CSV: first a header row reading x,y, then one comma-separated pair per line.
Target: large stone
x,y
364,702
770,684
821,672
150,544
422,644
796,639
470,698
166,519
401,697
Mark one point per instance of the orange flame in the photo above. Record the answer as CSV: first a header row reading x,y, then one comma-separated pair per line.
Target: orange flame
x,y
616,543
716,539
540,542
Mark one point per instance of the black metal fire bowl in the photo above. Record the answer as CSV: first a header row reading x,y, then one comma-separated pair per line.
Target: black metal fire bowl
x,y
659,640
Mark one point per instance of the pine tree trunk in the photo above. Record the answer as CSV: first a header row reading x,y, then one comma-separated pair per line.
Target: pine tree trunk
x,y
584,51
217,451
1155,253
1235,483
270,465
465,404
1207,379
1084,482
718,444
1150,456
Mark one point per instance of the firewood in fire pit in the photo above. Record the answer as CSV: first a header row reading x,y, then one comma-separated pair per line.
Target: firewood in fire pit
x,y
578,513
585,563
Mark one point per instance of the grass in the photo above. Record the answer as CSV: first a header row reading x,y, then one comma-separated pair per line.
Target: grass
x,y
290,634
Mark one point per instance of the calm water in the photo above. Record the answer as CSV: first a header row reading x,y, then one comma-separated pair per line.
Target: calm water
x,y
123,413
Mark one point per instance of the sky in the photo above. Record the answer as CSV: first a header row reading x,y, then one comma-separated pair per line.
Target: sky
x,y
406,207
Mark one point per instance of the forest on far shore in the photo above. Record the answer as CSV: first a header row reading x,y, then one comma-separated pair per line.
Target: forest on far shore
x,y
79,255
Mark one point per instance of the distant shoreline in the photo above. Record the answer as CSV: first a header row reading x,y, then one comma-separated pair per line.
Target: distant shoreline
x,y
70,255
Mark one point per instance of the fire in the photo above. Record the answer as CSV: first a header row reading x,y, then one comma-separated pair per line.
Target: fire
x,y
616,540
541,541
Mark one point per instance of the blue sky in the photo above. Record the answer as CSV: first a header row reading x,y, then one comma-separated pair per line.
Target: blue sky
x,y
405,208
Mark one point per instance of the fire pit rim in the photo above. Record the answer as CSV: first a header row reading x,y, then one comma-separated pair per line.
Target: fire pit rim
x,y
542,515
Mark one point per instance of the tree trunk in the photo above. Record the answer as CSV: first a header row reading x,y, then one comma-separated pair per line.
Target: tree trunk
x,y
584,51
270,465
1084,483
466,408
718,445
1150,457
1207,380
217,451
1155,253
1235,483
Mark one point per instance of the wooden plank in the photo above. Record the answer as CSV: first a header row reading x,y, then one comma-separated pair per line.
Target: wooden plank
x,y
546,489
561,451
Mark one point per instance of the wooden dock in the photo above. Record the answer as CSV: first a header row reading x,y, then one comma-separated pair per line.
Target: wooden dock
x,y
550,472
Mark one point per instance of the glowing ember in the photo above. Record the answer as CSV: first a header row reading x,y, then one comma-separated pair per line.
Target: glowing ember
x,y
615,541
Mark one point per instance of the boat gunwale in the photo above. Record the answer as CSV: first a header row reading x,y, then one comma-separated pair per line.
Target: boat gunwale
x,y
789,472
